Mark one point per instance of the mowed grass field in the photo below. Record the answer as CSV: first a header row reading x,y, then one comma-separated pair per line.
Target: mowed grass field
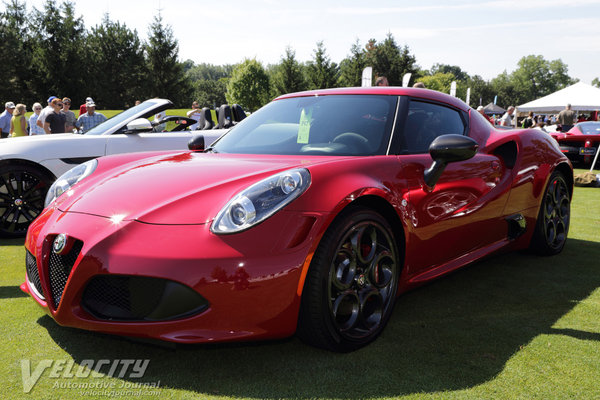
x,y
515,326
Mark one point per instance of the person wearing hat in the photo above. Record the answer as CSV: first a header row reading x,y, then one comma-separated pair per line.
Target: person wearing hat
x,y
45,112
82,109
90,119
5,118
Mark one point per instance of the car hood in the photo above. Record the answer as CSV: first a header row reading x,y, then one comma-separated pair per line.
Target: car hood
x,y
182,188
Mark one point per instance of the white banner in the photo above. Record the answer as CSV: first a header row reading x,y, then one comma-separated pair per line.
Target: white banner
x,y
406,79
453,89
468,96
367,77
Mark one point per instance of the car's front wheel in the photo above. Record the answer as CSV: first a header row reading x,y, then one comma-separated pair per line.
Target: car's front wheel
x,y
351,285
23,190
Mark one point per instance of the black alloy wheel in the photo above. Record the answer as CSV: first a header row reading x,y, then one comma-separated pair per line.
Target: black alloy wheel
x,y
351,285
22,193
552,226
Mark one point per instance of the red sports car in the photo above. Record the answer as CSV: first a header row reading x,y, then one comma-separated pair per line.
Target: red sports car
x,y
308,217
581,142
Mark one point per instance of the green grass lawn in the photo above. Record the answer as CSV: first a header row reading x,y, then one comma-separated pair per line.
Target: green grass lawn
x,y
516,326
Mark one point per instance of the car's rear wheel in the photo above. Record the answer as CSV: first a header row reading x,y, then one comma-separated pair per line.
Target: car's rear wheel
x,y
552,225
23,190
351,285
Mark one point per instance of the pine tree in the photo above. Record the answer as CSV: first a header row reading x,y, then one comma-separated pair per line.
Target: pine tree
x,y
117,63
288,76
322,73
352,66
16,53
166,78
60,52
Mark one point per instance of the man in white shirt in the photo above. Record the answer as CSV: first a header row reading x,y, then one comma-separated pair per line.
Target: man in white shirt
x,y
45,112
506,119
194,113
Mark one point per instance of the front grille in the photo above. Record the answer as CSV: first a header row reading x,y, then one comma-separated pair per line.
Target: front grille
x,y
60,269
140,298
33,274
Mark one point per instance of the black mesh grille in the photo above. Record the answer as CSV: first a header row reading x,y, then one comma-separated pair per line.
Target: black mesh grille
x,y
33,273
59,270
139,298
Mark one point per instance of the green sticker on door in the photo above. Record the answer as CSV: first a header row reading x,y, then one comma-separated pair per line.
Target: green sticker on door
x,y
304,128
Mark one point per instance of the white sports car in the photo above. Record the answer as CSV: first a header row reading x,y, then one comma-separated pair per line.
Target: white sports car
x,y
29,165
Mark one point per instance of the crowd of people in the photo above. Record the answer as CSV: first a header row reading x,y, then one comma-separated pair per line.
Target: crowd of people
x,y
56,117
563,121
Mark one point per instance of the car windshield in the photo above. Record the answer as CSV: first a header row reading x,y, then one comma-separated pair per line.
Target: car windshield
x,y
318,125
121,118
590,128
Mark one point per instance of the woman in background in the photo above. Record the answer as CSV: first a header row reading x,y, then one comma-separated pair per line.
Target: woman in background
x,y
18,123
33,128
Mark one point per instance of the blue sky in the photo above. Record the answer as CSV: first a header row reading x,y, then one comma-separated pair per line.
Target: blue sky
x,y
482,37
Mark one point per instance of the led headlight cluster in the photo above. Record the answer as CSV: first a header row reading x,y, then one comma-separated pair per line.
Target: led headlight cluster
x,y
68,179
261,200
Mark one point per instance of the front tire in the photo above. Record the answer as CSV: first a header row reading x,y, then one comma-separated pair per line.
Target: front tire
x,y
553,221
23,190
351,285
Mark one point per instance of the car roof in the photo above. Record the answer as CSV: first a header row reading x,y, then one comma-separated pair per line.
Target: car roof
x,y
384,90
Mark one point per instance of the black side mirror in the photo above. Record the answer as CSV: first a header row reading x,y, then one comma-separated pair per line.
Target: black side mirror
x,y
446,149
196,143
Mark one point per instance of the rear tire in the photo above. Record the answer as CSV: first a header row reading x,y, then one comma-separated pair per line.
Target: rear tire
x,y
553,220
23,191
351,285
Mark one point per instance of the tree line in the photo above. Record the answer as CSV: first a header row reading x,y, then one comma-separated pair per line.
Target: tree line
x,y
49,51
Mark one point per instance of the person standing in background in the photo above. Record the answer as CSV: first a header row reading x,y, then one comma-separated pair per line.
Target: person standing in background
x,y
90,119
55,122
34,129
566,118
69,115
382,81
45,112
506,119
5,118
82,108
528,122
481,111
194,114
18,122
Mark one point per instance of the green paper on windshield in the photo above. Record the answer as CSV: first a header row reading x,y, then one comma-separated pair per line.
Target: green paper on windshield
x,y
304,129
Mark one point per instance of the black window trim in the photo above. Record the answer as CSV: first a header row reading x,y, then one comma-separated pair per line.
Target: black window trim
x,y
403,107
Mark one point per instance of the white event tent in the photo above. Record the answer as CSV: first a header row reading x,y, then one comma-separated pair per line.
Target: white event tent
x,y
581,96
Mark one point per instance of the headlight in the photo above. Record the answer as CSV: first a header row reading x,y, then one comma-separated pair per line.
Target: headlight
x,y
68,179
260,201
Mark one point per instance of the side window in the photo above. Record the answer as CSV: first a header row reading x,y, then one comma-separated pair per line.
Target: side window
x,y
425,122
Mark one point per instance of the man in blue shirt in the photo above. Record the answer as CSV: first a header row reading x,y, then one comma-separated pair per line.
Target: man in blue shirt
x,y
5,119
90,119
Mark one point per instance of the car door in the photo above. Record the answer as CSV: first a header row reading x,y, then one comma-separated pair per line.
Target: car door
x,y
462,213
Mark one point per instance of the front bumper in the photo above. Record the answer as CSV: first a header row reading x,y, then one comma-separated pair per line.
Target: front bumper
x,y
251,281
